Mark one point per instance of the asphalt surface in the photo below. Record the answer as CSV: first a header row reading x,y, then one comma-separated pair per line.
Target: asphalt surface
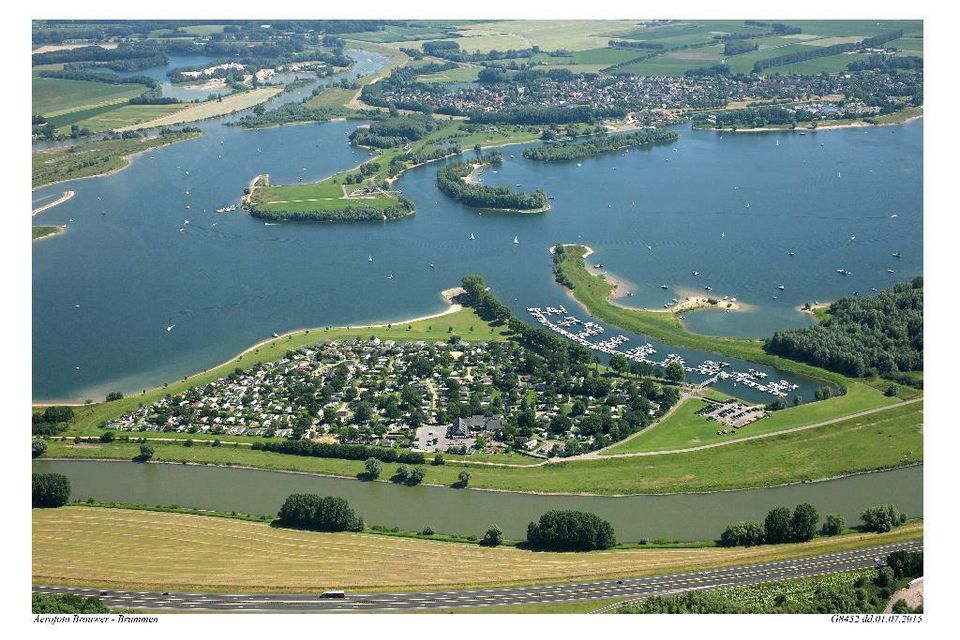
x,y
626,589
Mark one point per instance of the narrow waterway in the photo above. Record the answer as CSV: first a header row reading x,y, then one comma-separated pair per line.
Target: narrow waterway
x,y
471,512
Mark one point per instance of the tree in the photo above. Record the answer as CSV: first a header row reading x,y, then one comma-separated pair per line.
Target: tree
x,y
372,468
493,537
675,371
114,395
892,391
39,447
742,534
906,564
618,362
803,524
833,525
66,603
50,490
882,518
438,459
417,475
146,452
776,526
568,530
316,513
463,478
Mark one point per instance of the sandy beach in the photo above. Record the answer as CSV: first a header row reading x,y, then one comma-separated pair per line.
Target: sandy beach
x,y
813,308
50,205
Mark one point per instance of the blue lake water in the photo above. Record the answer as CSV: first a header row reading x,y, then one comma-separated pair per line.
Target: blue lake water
x,y
228,280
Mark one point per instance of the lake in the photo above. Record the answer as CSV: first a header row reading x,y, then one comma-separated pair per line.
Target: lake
x,y
228,281
471,512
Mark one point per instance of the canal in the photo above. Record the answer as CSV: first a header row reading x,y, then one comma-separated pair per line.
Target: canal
x,y
471,512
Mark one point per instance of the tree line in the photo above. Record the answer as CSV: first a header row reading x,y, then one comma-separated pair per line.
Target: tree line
x,y
343,451
823,52
601,144
361,211
781,526
450,182
545,114
862,336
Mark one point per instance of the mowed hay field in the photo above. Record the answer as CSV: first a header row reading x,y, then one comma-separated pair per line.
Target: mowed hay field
x,y
126,116
52,96
101,547
211,109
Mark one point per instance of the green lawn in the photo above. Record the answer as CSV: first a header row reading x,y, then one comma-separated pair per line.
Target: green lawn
x,y
684,428
879,441
53,96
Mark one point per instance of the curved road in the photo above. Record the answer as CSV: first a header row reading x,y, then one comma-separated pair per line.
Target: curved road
x,y
627,589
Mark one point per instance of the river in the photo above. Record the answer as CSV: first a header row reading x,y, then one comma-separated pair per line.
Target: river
x,y
227,280
471,512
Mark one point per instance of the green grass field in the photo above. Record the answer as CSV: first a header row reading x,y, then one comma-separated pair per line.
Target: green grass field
x,y
829,64
331,98
147,550
684,428
93,158
124,116
884,440
54,96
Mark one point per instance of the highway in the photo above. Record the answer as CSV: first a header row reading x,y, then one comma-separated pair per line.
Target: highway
x,y
626,589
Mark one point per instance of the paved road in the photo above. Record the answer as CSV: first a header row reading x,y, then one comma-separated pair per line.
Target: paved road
x,y
627,589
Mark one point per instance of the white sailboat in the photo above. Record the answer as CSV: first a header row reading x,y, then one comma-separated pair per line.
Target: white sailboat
x,y
471,237
369,258
516,240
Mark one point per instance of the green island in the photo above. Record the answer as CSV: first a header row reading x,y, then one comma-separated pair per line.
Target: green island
x,y
454,181
601,144
100,157
45,231
363,193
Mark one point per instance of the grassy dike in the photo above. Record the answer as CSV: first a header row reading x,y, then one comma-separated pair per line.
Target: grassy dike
x,y
862,444
178,552
594,292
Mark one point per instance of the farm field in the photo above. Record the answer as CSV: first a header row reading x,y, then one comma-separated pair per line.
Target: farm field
x,y
210,109
168,551
675,62
460,74
55,96
829,64
124,116
848,446
574,35
331,98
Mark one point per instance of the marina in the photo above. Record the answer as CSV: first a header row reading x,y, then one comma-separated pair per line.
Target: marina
x,y
556,319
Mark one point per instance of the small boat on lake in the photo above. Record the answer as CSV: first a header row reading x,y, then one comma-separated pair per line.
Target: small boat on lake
x,y
471,237
516,240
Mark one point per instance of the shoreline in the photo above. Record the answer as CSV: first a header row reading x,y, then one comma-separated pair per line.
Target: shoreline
x,y
529,493
129,158
812,311
853,124
447,295
60,230
66,196
691,301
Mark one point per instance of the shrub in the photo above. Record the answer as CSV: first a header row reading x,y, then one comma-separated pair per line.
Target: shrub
x,y
66,603
372,468
493,537
50,490
567,530
316,513
742,534
463,478
146,452
833,525
39,447
882,518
